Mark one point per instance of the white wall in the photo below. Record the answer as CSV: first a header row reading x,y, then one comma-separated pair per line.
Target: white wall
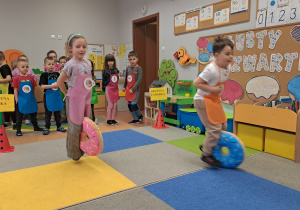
x,y
27,25
130,10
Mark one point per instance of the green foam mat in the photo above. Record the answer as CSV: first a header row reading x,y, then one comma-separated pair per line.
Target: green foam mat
x,y
192,144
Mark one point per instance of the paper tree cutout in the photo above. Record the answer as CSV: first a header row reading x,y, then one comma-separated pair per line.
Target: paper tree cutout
x,y
183,58
167,72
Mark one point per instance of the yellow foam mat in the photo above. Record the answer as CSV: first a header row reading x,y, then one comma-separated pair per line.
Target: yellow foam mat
x,y
59,184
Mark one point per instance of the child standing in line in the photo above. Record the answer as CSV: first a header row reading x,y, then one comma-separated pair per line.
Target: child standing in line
x,y
132,86
78,73
52,99
94,99
210,84
52,54
62,61
110,78
5,79
23,85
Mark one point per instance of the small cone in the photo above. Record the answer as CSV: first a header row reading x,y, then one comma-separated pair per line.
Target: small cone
x,y
4,144
160,124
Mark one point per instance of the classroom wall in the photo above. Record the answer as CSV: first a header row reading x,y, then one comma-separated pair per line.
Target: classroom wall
x,y
28,25
130,10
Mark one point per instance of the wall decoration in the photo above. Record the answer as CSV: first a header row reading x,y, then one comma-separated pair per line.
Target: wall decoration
x,y
204,58
275,62
249,63
283,60
202,43
274,38
232,92
289,60
260,35
249,39
262,62
262,88
295,33
240,42
294,88
95,52
183,58
167,72
11,55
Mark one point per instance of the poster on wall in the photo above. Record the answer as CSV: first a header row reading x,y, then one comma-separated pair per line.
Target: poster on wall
x,y
95,53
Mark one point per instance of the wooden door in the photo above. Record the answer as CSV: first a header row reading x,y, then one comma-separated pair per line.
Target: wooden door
x,y
145,43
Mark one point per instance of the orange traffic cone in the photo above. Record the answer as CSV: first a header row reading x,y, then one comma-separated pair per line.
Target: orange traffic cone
x,y
4,144
160,124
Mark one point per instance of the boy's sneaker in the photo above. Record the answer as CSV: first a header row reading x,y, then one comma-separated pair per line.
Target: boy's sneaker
x,y
115,122
209,159
18,133
134,121
61,129
141,119
38,129
110,122
27,122
46,131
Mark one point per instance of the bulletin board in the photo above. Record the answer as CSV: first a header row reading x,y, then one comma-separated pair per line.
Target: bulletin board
x,y
233,18
272,52
95,53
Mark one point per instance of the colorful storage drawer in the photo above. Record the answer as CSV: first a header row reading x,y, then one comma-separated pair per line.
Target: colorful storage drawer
x,y
280,143
252,136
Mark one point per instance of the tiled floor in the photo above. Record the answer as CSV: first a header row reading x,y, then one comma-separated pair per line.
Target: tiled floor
x,y
149,160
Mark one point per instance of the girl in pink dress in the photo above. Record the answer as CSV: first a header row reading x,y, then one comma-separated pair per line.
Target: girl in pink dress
x,y
110,80
77,73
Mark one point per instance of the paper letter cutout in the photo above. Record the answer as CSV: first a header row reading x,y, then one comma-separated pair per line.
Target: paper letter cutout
x,y
249,39
240,42
274,38
249,63
262,62
260,36
275,62
289,60
235,67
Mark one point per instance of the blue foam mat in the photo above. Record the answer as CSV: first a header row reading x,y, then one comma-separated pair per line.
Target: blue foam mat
x,y
219,188
125,139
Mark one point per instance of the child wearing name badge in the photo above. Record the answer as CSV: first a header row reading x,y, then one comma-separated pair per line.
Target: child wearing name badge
x,y
24,85
78,73
210,85
52,99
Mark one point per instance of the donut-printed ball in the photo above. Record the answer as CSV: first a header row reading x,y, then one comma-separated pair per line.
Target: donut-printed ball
x,y
262,88
232,91
236,150
202,43
204,58
294,88
295,33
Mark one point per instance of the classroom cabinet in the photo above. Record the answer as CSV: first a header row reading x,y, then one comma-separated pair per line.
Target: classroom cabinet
x,y
273,130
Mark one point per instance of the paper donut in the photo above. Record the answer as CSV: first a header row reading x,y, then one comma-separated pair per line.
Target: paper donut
x,y
233,91
236,150
295,33
202,43
204,58
91,141
294,87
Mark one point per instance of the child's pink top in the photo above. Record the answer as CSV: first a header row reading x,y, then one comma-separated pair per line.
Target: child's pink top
x,y
15,72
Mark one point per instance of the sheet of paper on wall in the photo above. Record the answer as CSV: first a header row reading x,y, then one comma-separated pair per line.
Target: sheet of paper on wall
x,y
206,13
129,47
92,57
180,20
221,16
100,62
192,23
281,3
261,19
272,17
243,5
262,4
281,15
235,6
293,14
